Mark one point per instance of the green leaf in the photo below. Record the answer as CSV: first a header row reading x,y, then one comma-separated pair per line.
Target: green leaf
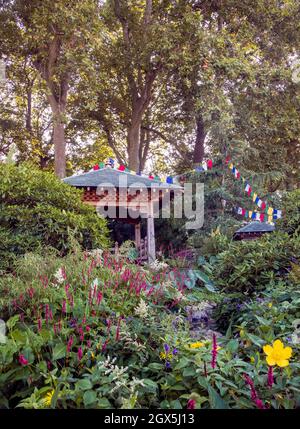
x,y
156,366
215,400
12,321
89,397
178,387
188,372
176,405
255,340
84,384
183,362
232,346
104,403
206,280
150,384
59,351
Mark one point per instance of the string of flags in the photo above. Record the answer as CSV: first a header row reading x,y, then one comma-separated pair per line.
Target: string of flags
x,y
206,165
268,212
262,217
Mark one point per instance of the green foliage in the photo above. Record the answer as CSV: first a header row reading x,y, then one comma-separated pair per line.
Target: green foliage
x,y
290,221
249,266
39,210
108,346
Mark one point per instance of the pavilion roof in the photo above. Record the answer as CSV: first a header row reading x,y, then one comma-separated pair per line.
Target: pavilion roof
x,y
256,227
110,176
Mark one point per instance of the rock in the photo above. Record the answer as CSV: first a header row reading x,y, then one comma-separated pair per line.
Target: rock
x,y
202,324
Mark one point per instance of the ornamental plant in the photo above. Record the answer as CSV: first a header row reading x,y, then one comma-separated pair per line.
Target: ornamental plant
x,y
38,210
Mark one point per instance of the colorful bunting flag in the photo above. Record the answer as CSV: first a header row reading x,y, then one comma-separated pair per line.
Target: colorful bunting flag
x,y
258,201
269,215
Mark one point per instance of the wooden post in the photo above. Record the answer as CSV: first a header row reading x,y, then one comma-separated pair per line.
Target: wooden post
x,y
137,230
151,234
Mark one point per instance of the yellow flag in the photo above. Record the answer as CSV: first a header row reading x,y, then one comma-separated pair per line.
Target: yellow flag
x,y
270,211
250,214
231,166
254,196
270,218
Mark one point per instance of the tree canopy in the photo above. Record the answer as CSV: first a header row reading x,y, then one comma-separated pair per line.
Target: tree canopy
x,y
156,84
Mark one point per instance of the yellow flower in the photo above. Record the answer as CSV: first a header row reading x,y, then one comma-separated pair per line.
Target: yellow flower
x,y
252,360
48,398
270,305
166,356
196,345
278,354
93,355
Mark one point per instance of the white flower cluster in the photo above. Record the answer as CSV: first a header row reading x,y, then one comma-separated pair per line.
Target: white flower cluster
x,y
142,309
59,277
111,368
130,342
94,286
157,265
96,253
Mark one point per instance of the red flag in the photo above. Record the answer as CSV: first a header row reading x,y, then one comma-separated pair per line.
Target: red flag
x,y
262,217
263,205
121,168
96,167
227,159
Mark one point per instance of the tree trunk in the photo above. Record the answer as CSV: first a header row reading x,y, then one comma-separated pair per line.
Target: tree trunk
x,y
29,111
199,143
134,135
59,141
59,148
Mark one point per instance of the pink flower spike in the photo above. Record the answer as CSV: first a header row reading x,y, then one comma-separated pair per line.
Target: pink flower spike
x,y
191,405
70,343
214,352
22,360
79,354
259,404
99,298
270,377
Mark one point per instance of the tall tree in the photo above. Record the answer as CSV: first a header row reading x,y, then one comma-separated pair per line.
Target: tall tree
x,y
55,36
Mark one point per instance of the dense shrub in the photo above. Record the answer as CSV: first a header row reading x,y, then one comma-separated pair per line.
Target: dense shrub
x,y
290,221
249,266
37,209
